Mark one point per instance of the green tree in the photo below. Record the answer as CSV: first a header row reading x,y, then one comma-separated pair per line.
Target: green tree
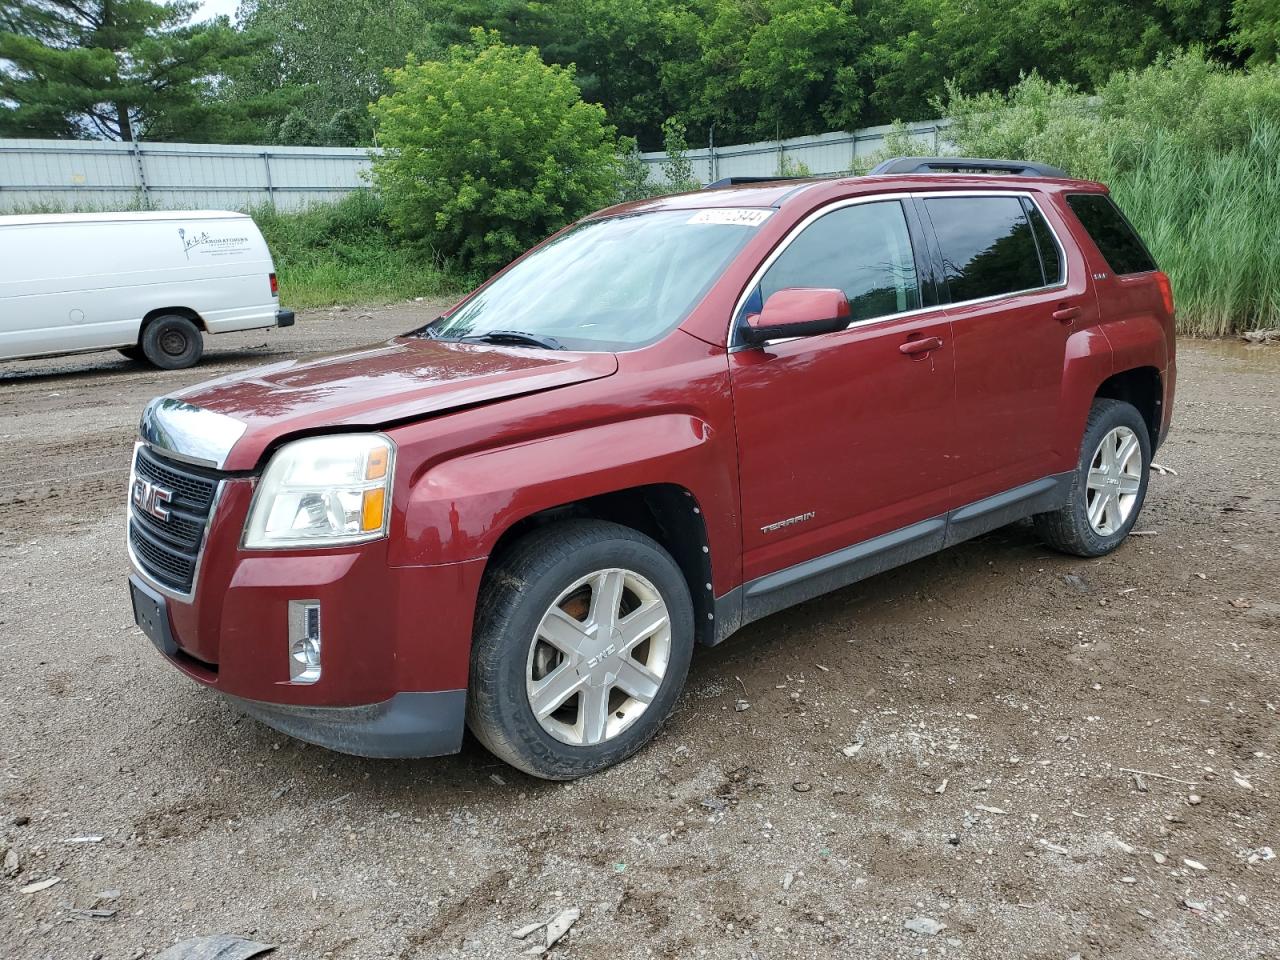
x,y
108,68
488,151
1257,29
316,61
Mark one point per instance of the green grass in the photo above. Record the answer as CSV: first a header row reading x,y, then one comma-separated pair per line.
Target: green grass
x,y
344,253
1212,221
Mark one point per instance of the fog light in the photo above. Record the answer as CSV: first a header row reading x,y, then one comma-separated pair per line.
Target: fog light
x,y
304,641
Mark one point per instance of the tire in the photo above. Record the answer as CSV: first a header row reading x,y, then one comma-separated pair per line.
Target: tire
x,y
171,342
1070,529
132,353
602,720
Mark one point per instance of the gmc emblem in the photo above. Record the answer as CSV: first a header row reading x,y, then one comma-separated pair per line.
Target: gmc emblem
x,y
151,499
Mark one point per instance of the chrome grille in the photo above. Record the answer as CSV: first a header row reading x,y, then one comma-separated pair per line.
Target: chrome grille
x,y
168,549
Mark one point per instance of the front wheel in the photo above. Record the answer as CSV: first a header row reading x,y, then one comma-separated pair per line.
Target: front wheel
x,y
582,643
1109,484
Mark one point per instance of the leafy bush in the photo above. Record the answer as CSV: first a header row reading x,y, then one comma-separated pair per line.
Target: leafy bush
x,y
488,151
633,172
677,169
1191,152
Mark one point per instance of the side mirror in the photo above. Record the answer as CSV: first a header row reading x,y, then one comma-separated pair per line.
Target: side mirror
x,y
799,312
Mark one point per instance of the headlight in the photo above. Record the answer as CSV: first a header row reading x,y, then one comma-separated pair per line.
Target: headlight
x,y
322,492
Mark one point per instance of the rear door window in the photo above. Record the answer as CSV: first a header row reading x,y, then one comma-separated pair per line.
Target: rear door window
x,y
1050,254
1116,240
863,249
987,246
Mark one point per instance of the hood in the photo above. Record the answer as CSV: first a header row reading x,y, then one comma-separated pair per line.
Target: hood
x,y
406,378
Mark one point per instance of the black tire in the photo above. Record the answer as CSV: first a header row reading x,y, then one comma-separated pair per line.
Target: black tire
x,y
132,353
171,342
515,595
1068,529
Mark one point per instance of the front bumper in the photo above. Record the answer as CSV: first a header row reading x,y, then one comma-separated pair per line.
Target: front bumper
x,y
395,639
426,724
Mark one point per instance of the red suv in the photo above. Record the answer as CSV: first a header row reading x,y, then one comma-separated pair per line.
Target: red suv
x,y
669,419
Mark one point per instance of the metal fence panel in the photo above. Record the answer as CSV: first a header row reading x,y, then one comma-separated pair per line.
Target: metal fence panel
x,y
81,174
820,154
94,174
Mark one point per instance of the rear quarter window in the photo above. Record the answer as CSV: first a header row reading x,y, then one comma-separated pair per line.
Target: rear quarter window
x,y
1115,239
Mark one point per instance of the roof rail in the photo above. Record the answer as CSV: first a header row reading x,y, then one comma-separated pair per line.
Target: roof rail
x,y
1019,168
734,181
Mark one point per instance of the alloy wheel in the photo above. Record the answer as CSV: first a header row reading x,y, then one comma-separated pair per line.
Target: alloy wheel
x,y
598,657
1115,477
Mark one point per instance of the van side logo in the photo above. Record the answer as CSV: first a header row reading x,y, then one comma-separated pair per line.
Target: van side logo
x,y
151,498
790,521
213,245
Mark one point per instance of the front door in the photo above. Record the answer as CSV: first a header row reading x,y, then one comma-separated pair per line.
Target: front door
x,y
844,436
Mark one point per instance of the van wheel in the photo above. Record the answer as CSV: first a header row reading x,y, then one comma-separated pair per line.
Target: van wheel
x,y
583,637
172,342
1109,485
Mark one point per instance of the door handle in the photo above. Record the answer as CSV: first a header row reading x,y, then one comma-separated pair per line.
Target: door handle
x,y
1066,314
923,345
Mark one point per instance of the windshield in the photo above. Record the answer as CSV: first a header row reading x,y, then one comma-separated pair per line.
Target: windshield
x,y
610,284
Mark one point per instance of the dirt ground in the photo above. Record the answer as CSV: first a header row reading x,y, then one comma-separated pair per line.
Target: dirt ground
x,y
949,742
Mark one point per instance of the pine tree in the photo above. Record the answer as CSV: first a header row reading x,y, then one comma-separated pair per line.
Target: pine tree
x,y
113,69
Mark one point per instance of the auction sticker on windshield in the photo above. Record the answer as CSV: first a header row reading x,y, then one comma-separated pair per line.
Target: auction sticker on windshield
x,y
737,217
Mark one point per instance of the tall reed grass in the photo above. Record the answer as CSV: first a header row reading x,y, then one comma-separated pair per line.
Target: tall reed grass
x,y
1212,221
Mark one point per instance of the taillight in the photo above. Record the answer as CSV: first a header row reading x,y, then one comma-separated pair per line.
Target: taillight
x,y
1166,290
275,285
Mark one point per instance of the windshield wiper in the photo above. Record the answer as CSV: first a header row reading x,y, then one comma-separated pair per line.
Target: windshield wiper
x,y
515,337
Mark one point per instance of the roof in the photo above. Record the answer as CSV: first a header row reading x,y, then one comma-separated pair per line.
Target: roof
x,y
123,216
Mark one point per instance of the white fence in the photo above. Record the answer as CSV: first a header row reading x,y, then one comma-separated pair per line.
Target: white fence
x,y
95,174
824,153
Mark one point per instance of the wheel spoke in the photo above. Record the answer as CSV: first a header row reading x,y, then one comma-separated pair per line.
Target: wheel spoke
x,y
638,680
1097,507
1097,479
548,694
606,598
641,623
1107,453
562,631
1128,484
593,713
1113,514
1128,445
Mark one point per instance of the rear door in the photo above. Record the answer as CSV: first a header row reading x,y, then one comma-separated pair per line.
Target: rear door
x,y
1013,306
844,436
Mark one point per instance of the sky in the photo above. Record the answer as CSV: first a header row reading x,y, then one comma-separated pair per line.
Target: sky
x,y
215,8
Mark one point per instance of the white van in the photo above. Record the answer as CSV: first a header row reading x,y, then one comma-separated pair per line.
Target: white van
x,y
145,284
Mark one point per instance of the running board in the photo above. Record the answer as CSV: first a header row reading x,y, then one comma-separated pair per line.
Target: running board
x,y
812,578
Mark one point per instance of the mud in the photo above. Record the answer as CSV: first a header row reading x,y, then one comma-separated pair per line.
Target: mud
x,y
949,741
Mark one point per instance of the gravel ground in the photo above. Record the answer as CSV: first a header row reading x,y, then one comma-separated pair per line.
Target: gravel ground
x,y
950,742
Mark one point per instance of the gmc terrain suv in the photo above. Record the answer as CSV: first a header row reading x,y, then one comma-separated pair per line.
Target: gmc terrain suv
x,y
669,419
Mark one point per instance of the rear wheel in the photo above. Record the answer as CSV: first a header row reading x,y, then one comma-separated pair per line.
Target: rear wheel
x,y
171,342
582,645
1108,487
